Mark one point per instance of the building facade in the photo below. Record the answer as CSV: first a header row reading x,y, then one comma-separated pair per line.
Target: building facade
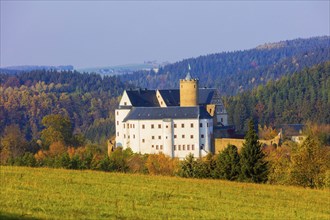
x,y
174,122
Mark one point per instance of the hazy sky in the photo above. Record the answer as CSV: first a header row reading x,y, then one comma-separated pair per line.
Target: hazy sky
x,y
103,33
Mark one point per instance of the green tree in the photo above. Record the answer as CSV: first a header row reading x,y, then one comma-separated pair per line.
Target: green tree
x,y
187,167
228,164
57,129
253,164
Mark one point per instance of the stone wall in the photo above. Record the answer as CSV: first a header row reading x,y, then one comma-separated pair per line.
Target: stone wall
x,y
221,143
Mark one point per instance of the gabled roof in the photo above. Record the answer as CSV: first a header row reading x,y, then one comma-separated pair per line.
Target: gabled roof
x,y
157,113
292,129
143,98
205,96
171,97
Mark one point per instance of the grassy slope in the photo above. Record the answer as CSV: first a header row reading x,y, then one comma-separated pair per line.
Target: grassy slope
x,y
64,194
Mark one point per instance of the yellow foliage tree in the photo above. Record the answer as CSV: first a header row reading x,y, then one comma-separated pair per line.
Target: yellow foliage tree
x,y
57,148
159,164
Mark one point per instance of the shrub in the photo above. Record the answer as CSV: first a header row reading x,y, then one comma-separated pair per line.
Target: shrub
x,y
119,159
56,149
137,163
159,164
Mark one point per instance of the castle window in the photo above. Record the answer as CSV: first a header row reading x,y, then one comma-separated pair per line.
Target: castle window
x,y
124,125
191,136
166,126
117,113
159,126
159,137
152,146
174,125
124,136
192,147
207,124
194,86
174,147
188,147
161,147
133,136
142,140
175,136
117,122
152,126
221,119
152,137
128,136
183,147
182,125
179,147
125,103
183,136
133,125
201,125
117,133
143,126
192,125
202,136
156,147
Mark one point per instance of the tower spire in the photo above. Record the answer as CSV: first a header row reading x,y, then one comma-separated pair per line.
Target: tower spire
x,y
188,76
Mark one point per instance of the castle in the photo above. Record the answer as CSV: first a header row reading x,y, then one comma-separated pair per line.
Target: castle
x,y
176,122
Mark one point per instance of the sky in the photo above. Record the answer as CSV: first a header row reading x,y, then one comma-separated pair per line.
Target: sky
x,y
108,33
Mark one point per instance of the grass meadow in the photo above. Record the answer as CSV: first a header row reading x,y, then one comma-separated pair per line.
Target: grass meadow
x,y
43,193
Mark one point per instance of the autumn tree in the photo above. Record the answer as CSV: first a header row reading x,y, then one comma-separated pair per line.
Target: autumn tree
x,y
13,143
309,164
160,164
252,162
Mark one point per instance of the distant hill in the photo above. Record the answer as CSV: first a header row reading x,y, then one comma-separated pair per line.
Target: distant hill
x,y
294,99
27,68
124,69
238,71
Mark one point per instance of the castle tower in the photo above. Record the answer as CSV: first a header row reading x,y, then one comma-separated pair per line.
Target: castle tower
x,y
188,91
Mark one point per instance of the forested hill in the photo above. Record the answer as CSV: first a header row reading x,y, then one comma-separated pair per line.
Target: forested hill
x,y
234,72
298,98
87,99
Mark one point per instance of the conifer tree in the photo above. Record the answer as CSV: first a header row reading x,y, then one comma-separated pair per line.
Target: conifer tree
x,y
253,163
228,164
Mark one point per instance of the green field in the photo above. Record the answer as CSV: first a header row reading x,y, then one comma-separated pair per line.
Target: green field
x,y
65,194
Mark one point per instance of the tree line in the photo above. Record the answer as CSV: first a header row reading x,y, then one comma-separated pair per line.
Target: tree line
x,y
88,100
306,164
